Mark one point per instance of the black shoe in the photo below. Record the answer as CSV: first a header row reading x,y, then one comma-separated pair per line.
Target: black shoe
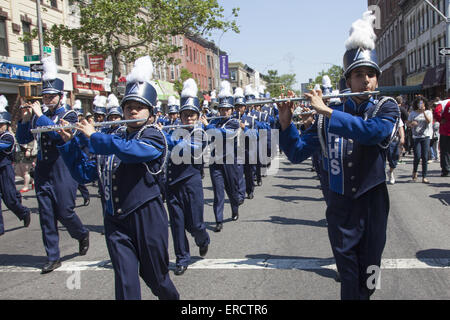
x,y
50,266
250,196
444,174
338,277
179,270
86,202
203,251
27,220
2,233
84,245
219,227
235,216
259,183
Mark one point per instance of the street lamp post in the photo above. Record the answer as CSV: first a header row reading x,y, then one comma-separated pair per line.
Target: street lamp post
x,y
447,21
39,21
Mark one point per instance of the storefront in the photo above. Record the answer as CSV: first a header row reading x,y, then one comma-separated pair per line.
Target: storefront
x,y
12,76
86,87
434,82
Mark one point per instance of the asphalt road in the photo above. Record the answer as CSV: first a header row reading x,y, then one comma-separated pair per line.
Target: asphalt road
x,y
277,250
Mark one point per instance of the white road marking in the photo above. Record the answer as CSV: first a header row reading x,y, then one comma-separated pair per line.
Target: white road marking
x,y
243,264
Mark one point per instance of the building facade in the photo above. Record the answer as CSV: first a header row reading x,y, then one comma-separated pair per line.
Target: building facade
x,y
409,34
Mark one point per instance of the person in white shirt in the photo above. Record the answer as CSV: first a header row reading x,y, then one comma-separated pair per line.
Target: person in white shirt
x,y
421,121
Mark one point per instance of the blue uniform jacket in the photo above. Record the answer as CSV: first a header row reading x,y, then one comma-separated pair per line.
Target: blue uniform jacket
x,y
353,161
194,145
6,148
123,165
48,165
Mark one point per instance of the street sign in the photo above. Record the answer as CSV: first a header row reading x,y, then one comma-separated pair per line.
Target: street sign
x,y
444,51
31,58
37,67
47,50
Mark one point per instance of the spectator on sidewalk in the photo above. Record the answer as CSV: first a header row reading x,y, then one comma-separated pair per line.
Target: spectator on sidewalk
x,y
24,158
421,122
442,115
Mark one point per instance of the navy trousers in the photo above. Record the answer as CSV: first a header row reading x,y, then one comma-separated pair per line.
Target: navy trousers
x,y
11,197
249,173
357,232
185,205
225,177
56,192
137,245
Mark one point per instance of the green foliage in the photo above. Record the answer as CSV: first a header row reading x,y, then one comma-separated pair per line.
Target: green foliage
x,y
184,75
132,28
335,73
275,82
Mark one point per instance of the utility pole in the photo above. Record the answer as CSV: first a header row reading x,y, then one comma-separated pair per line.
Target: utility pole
x,y
447,57
39,21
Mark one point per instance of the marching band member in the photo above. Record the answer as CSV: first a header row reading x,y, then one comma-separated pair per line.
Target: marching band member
x,y
185,190
55,188
11,197
136,226
99,108
353,138
114,112
249,166
225,175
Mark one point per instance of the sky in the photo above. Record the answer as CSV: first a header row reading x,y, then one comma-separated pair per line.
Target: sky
x,y
291,36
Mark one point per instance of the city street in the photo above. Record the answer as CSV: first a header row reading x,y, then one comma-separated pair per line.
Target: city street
x,y
277,250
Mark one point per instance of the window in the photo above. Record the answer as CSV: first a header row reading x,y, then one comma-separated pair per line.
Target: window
x,y
187,53
54,3
208,59
3,38
233,75
58,58
172,72
27,46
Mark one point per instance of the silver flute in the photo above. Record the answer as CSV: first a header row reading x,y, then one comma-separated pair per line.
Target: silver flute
x,y
74,126
331,96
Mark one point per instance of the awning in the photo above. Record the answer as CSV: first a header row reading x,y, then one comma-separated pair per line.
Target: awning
x,y
392,90
165,90
434,77
415,79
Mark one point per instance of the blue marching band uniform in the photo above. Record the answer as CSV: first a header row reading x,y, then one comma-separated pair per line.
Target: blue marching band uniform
x,y
353,145
8,192
349,150
55,187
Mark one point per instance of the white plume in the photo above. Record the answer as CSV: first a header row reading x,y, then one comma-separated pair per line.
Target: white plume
x,y
189,88
362,34
112,101
326,81
100,101
158,104
172,101
225,89
3,103
50,68
142,71
178,102
77,105
238,92
249,90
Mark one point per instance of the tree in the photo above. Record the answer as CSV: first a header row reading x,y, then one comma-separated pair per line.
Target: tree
x,y
132,28
276,82
184,75
335,73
